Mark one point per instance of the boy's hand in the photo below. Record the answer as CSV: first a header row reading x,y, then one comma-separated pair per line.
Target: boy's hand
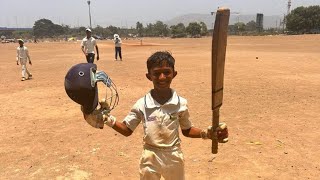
x,y
95,119
222,133
104,105
100,116
109,120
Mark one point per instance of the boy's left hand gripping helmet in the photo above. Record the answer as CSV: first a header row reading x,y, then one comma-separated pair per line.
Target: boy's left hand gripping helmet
x,y
81,86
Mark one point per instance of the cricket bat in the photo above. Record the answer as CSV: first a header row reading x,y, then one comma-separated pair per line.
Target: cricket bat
x,y
219,45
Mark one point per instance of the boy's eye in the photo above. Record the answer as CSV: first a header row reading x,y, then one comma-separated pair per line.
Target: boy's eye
x,y
166,73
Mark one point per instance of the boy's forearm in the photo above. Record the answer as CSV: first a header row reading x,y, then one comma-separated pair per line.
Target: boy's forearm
x,y
97,49
193,132
82,49
122,128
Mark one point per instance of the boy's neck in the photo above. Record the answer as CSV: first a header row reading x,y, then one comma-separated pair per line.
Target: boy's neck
x,y
161,96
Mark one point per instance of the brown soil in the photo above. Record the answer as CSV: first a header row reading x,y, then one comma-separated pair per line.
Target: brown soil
x,y
271,106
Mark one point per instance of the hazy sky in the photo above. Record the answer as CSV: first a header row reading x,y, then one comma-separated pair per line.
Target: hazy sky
x,y
125,13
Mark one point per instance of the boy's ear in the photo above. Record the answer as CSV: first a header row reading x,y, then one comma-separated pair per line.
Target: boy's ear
x,y
148,76
175,73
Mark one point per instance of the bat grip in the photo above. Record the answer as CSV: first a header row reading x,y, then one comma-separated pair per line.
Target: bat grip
x,y
215,124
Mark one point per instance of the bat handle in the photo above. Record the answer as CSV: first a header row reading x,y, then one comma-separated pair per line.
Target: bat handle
x,y
215,124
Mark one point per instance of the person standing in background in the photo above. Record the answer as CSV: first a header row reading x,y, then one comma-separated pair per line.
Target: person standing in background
x,y
117,43
23,57
87,46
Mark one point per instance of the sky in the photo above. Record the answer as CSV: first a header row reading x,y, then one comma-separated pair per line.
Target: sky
x,y
125,13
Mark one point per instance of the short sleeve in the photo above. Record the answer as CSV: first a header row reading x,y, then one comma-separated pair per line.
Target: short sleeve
x,y
82,43
184,121
134,117
184,115
27,52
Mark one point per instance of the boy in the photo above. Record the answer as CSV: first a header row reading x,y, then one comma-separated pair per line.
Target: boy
x,y
87,46
22,57
161,112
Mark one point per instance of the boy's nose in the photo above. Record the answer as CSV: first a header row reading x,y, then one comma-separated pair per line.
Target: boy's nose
x,y
162,76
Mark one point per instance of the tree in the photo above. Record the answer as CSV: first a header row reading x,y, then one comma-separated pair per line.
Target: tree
x,y
46,28
149,30
204,29
251,26
113,30
24,34
160,29
240,26
178,30
194,29
99,31
304,20
43,28
139,27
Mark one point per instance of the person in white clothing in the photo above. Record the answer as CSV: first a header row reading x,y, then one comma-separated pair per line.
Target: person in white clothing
x,y
117,43
87,46
162,112
22,58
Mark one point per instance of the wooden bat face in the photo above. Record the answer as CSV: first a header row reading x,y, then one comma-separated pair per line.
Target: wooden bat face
x,y
219,45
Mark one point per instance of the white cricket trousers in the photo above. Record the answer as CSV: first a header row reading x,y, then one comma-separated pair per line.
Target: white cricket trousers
x,y
24,68
155,163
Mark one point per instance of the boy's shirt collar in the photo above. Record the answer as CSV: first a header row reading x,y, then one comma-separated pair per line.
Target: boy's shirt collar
x,y
151,103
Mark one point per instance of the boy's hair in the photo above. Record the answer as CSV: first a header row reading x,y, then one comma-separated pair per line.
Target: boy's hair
x,y
159,58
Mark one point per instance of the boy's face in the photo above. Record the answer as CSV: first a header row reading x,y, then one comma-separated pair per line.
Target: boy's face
x,y
161,76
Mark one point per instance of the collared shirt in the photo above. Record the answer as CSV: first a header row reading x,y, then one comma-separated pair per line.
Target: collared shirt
x,y
160,122
117,42
22,53
89,44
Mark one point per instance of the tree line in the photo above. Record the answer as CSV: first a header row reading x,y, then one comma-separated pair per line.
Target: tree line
x,y
46,28
302,20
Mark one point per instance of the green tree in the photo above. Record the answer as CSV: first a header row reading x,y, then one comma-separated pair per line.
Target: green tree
x,y
178,30
304,20
149,30
112,30
43,28
46,28
204,29
160,29
100,31
194,29
139,27
240,26
22,34
251,26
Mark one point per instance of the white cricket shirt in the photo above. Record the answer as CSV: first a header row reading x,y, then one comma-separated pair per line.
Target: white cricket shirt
x,y
22,53
161,122
89,44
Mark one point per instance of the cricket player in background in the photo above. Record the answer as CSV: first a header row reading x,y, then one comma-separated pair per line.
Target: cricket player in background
x,y
87,46
23,57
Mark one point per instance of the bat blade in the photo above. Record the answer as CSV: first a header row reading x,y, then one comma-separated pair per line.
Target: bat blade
x,y
219,45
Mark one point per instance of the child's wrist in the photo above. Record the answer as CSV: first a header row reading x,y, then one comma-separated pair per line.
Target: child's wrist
x,y
204,134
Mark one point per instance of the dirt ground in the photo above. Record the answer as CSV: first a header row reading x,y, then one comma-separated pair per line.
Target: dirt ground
x,y
271,106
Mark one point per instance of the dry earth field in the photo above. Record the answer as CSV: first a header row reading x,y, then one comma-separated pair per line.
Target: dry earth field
x,y
271,105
